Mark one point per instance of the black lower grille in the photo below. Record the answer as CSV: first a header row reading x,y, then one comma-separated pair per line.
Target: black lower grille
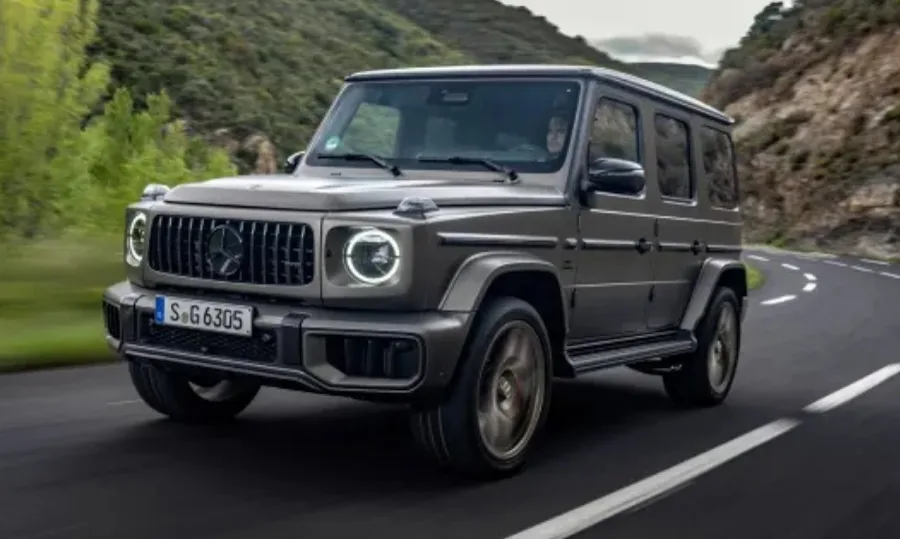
x,y
262,347
374,357
272,253
113,320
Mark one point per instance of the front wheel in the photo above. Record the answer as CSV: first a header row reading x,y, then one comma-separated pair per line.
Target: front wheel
x,y
187,400
499,399
706,375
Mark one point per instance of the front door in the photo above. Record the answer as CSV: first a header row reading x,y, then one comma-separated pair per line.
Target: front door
x,y
614,272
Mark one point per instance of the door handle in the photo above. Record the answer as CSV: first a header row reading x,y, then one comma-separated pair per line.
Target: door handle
x,y
698,247
643,246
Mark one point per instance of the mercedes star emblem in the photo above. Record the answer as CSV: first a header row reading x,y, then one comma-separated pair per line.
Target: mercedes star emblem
x,y
225,250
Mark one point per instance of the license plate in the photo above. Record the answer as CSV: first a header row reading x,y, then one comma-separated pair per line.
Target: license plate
x,y
205,316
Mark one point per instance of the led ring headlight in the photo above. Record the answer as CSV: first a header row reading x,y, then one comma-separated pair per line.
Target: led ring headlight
x,y
372,257
134,241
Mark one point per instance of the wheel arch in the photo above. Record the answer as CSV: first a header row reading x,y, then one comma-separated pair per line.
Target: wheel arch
x,y
714,273
521,275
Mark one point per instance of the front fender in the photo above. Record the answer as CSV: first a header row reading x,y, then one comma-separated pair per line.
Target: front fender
x,y
711,274
476,274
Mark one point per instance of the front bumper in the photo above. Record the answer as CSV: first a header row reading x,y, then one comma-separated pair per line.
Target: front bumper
x,y
354,353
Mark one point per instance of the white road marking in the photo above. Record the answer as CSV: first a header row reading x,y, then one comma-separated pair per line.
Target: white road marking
x,y
871,261
790,267
891,275
836,263
809,276
780,299
757,257
809,287
120,403
857,388
862,269
592,513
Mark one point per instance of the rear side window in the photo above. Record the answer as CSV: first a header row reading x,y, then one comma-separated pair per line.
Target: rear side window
x,y
719,168
673,158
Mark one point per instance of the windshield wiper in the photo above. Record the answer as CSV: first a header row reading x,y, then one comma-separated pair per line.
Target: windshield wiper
x,y
511,174
394,169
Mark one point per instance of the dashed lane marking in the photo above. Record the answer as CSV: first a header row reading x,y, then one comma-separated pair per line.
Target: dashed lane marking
x,y
655,486
809,276
757,257
889,274
857,388
809,287
878,262
862,269
790,267
780,299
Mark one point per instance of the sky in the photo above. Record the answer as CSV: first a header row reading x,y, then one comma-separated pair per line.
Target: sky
x,y
716,24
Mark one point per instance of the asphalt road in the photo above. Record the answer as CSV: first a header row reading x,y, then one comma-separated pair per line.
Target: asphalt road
x,y
80,457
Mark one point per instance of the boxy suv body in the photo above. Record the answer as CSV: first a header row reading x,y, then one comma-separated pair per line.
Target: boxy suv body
x,y
452,239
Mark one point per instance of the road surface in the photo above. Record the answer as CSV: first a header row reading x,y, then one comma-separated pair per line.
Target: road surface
x,y
806,447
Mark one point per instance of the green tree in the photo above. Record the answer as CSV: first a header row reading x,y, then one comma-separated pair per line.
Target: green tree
x,y
45,92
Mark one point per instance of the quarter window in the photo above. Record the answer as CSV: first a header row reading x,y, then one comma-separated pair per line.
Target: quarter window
x,y
719,168
615,131
373,130
673,158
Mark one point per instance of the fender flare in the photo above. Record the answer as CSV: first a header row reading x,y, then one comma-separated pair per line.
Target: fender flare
x,y
710,275
477,273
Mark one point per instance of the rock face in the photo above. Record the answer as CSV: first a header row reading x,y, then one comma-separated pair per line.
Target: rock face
x,y
816,93
254,153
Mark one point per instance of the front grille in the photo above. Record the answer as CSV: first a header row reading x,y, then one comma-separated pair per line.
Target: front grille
x,y
274,253
262,347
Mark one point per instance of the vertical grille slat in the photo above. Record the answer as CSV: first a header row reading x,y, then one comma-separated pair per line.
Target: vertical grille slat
x,y
275,253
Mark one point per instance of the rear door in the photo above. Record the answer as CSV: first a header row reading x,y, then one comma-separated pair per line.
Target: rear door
x,y
678,226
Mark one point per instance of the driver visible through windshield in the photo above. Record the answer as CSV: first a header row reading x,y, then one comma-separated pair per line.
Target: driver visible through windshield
x,y
511,126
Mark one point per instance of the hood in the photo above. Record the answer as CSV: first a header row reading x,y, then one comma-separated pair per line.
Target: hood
x,y
297,192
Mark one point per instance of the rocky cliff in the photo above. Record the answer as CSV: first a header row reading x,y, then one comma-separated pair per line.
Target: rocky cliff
x,y
816,92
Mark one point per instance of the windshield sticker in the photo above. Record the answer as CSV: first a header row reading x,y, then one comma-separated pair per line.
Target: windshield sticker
x,y
332,143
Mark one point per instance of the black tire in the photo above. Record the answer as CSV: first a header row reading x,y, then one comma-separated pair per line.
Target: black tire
x,y
172,395
691,385
449,432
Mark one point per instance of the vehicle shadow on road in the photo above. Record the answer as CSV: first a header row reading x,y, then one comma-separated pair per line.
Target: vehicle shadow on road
x,y
359,445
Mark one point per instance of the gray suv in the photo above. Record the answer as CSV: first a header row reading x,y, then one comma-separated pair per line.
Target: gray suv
x,y
452,239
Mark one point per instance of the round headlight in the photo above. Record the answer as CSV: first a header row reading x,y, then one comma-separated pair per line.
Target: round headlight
x,y
136,238
372,257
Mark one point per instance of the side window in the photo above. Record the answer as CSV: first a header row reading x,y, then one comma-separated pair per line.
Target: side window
x,y
615,131
718,168
373,130
673,158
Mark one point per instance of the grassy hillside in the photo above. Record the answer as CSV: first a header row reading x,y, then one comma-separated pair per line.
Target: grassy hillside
x,y
272,66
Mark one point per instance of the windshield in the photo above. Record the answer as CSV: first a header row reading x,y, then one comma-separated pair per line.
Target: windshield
x,y
521,125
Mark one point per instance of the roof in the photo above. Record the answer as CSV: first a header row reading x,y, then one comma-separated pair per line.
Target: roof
x,y
609,76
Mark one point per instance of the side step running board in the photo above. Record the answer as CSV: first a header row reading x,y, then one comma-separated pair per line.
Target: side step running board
x,y
593,361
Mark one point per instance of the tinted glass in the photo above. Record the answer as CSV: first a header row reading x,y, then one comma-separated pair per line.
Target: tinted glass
x,y
718,167
673,157
522,124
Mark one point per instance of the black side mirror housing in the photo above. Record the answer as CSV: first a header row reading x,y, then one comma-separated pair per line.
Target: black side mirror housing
x,y
619,176
292,162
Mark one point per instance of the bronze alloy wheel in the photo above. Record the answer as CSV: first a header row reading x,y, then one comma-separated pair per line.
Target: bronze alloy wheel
x,y
511,392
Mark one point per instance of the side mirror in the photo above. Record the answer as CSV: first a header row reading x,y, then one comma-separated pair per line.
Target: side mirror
x,y
618,176
293,160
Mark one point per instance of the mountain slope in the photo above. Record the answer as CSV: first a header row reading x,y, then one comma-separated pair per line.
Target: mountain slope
x,y
688,78
241,71
815,89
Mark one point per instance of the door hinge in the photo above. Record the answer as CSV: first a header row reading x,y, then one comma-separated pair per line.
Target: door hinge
x,y
652,288
572,299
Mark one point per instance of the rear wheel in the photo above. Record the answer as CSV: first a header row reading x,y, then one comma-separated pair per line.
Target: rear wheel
x,y
706,375
188,400
498,403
